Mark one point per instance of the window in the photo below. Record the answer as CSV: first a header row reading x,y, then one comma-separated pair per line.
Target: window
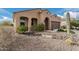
x,y
24,21
34,21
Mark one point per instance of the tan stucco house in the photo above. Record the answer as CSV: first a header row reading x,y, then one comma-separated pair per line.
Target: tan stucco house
x,y
34,17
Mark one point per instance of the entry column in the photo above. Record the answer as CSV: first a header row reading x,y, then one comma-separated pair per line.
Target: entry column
x,y
29,24
49,24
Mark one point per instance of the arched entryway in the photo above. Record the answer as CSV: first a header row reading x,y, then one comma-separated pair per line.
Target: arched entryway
x,y
24,21
34,21
46,21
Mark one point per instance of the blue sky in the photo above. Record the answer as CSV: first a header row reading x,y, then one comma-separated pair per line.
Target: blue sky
x,y
6,13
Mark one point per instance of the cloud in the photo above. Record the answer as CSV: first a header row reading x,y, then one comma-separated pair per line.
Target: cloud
x,y
73,14
4,18
5,15
73,11
60,16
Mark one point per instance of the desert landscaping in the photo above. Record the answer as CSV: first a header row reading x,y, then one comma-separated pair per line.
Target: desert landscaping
x,y
46,32
47,41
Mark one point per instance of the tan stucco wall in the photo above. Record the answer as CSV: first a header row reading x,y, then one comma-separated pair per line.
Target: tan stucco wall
x,y
34,14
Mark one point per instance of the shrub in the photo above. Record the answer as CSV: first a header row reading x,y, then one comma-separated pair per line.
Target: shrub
x,y
64,30
38,28
61,30
74,23
6,23
22,29
69,41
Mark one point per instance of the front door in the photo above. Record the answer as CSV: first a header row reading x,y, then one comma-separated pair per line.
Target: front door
x,y
46,24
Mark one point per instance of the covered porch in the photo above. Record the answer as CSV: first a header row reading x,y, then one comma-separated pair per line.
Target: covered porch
x,y
28,22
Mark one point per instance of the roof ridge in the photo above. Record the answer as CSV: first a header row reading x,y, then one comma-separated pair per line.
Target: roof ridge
x,y
29,10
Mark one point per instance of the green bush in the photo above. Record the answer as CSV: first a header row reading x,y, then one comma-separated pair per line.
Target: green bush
x,y
64,30
38,28
61,30
22,29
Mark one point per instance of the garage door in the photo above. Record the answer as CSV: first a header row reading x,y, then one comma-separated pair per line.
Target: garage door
x,y
55,25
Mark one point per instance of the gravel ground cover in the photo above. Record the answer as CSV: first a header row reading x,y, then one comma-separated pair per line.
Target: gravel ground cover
x,y
47,41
